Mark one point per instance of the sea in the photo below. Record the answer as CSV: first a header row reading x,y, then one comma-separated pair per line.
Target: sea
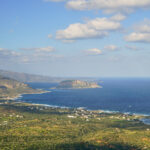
x,y
125,95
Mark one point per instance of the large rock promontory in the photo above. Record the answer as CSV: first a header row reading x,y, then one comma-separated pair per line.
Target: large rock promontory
x,y
77,84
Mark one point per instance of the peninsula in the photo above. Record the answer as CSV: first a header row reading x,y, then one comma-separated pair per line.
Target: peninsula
x,y
10,88
77,84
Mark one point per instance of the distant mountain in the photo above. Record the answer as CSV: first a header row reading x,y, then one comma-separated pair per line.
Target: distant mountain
x,y
10,88
77,84
24,77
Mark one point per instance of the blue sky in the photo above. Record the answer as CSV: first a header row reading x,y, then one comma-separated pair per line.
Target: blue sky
x,y
92,38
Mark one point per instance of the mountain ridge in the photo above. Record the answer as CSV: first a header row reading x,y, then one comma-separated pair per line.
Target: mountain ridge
x,y
25,77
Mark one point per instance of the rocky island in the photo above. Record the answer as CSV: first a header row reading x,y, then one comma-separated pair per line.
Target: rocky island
x,y
77,84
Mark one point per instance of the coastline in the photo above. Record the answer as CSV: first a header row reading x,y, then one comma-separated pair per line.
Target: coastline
x,y
20,95
100,110
84,108
36,120
143,118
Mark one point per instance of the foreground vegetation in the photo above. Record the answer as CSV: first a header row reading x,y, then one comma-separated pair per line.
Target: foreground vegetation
x,y
36,127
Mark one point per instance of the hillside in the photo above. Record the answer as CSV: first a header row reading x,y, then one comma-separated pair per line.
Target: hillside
x,y
24,77
10,88
36,127
77,84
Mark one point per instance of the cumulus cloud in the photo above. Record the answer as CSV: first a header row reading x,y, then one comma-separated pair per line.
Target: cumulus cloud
x,y
39,54
118,17
138,37
42,49
35,55
96,28
11,56
93,51
97,51
8,56
144,28
111,47
108,6
141,33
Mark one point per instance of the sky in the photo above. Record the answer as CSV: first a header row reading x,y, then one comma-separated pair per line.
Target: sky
x,y
76,38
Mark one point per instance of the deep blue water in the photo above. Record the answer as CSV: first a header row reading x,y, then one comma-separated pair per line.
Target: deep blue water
x,y
124,95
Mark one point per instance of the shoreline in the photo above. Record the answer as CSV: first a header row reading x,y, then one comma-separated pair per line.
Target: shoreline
x,y
145,119
84,108
20,95
141,117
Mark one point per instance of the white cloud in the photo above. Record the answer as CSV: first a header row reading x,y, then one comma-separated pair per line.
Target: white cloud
x,y
118,17
96,51
108,6
97,28
35,55
93,51
141,33
111,47
43,49
138,37
143,27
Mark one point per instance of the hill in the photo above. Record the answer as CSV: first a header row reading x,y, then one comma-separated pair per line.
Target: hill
x,y
24,77
37,127
77,84
10,88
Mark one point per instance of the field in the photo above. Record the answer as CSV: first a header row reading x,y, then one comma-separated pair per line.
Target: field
x,y
35,127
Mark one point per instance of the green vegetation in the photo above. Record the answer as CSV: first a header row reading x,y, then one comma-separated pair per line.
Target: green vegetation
x,y
77,84
10,88
37,127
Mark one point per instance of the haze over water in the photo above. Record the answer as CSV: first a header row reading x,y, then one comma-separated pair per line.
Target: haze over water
x,y
118,94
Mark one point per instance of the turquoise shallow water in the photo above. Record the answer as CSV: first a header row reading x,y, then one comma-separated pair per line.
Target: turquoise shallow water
x,y
123,95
